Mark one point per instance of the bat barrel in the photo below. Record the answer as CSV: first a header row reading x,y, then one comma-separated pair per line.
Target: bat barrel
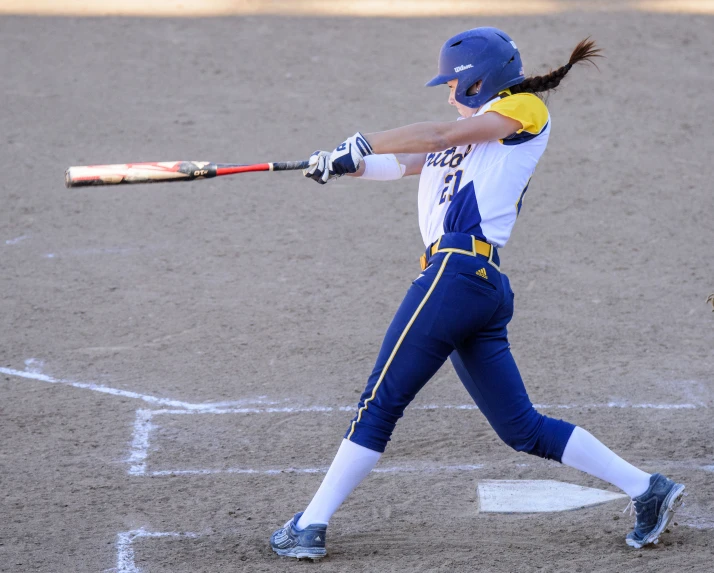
x,y
133,173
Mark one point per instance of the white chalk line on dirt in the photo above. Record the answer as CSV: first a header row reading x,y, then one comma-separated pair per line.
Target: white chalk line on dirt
x,y
143,426
126,561
695,521
125,551
34,366
423,468
16,240
323,470
229,407
327,409
140,442
33,374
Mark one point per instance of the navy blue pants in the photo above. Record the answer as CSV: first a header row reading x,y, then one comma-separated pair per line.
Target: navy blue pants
x,y
458,307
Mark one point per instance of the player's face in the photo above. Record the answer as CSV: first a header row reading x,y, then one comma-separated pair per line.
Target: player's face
x,y
462,109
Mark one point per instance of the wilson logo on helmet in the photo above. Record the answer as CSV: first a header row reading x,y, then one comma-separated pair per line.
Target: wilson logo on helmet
x,y
462,68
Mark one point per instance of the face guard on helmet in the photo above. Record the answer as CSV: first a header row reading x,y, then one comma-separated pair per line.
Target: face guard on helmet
x,y
485,55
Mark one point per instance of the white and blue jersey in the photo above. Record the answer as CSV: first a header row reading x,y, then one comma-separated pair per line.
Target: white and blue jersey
x,y
460,305
478,189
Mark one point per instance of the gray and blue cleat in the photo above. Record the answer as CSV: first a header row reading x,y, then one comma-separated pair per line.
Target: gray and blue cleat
x,y
308,543
655,509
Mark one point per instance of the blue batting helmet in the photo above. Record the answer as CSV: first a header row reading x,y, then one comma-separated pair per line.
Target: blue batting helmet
x,y
487,55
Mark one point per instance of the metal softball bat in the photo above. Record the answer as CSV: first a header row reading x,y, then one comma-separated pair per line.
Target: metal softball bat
x,y
134,173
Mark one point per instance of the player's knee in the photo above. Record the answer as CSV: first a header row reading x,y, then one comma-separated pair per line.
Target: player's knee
x,y
519,440
372,427
537,435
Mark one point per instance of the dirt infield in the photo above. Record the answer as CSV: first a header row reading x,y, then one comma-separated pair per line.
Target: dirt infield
x,y
179,362
341,8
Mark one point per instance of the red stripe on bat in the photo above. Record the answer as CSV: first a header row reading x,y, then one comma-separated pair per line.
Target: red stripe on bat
x,y
243,168
153,166
87,178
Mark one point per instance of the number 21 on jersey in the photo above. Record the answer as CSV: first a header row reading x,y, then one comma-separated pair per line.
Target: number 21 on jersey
x,y
452,183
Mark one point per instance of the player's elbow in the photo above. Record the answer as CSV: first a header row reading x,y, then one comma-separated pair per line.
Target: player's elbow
x,y
452,134
440,138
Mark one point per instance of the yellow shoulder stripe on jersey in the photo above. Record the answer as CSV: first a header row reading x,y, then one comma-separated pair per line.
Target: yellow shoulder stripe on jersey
x,y
525,108
398,344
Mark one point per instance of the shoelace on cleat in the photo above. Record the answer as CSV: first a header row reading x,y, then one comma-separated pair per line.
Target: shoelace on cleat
x,y
630,507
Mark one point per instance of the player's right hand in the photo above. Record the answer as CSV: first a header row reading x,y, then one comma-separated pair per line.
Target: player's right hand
x,y
347,157
319,169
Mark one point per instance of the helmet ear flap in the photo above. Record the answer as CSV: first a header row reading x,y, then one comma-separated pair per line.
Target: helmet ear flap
x,y
474,88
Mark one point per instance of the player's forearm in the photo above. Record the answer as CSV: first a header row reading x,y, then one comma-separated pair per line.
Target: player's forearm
x,y
423,137
430,137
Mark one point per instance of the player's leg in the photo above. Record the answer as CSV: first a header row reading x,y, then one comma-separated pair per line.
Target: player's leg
x,y
655,498
490,374
416,345
493,381
486,367
409,356
414,348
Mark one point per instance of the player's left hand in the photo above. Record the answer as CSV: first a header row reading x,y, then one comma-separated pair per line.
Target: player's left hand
x,y
318,169
348,155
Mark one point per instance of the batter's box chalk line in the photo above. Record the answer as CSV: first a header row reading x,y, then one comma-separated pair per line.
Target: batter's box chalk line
x,y
125,549
33,371
144,425
140,443
495,496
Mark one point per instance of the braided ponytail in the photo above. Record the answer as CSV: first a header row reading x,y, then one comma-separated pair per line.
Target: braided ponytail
x,y
585,51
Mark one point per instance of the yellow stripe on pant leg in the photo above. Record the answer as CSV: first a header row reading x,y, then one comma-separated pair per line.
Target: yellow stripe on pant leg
x,y
399,343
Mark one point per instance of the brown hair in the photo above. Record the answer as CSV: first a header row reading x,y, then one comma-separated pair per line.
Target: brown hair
x,y
585,51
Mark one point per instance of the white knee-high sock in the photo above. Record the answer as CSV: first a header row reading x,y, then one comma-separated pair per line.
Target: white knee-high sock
x,y
350,466
588,454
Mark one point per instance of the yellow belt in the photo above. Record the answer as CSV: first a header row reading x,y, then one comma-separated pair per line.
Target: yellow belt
x,y
478,248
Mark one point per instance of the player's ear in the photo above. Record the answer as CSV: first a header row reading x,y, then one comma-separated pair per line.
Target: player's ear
x,y
474,89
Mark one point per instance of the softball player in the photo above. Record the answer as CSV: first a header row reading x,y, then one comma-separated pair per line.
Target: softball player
x,y
474,173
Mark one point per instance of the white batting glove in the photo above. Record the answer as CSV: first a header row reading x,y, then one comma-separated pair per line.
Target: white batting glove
x,y
318,169
348,155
